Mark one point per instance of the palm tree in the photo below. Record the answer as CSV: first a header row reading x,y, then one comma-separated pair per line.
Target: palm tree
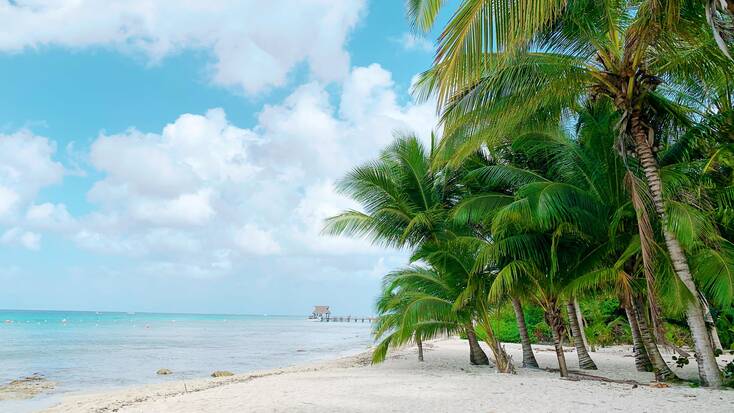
x,y
457,260
405,205
511,65
474,210
698,173
531,270
404,202
620,276
581,192
417,304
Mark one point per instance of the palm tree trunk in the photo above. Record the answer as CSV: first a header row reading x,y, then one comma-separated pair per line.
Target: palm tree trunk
x,y
642,361
585,361
502,360
582,324
554,320
528,358
708,370
419,343
659,367
477,356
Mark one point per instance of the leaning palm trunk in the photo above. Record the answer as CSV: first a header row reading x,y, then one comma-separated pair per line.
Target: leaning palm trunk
x,y
502,360
582,324
477,356
419,343
708,370
528,358
642,361
659,367
555,322
585,361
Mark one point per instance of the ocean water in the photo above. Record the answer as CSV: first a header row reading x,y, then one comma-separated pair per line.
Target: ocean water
x,y
90,351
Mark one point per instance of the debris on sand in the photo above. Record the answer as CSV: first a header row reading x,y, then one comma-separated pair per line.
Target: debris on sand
x,y
26,387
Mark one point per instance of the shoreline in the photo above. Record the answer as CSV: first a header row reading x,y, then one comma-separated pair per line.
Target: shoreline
x,y
445,381
120,398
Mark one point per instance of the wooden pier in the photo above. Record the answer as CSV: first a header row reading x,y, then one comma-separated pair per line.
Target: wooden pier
x,y
323,314
347,319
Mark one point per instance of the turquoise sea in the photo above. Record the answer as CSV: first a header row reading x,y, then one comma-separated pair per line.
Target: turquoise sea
x,y
89,351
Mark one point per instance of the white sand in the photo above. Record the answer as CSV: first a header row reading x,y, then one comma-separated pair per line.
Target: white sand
x,y
445,382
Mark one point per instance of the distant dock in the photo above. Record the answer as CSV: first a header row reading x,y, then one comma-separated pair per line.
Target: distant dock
x,y
322,313
347,319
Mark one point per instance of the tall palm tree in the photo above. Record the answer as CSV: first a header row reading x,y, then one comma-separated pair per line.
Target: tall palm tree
x,y
698,172
581,190
526,265
508,65
474,210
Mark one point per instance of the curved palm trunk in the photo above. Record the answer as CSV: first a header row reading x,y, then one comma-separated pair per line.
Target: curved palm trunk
x,y
555,321
582,325
502,360
585,361
528,358
642,361
477,356
419,343
659,367
708,370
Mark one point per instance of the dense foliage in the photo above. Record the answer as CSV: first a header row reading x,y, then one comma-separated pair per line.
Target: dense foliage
x,y
581,191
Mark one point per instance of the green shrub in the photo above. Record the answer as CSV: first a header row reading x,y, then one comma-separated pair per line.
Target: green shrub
x,y
541,333
678,335
725,325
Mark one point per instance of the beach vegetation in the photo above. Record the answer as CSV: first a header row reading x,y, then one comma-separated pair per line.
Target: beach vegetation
x,y
583,172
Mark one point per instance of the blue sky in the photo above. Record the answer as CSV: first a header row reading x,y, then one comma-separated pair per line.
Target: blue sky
x,y
167,156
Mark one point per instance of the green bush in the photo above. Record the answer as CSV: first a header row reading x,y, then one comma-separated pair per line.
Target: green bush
x,y
678,335
606,323
505,328
541,333
725,326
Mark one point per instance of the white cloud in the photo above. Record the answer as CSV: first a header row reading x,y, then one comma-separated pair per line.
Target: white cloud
x,y
26,166
254,240
8,200
172,178
49,216
18,236
207,195
254,44
380,269
411,41
319,202
185,209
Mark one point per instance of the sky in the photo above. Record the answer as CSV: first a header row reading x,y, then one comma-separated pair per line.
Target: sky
x,y
180,156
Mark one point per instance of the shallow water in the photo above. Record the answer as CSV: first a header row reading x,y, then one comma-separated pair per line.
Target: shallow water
x,y
91,351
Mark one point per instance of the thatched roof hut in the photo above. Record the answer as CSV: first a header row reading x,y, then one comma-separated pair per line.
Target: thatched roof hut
x,y
321,310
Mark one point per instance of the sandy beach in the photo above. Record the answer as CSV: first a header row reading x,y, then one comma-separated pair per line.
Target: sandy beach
x,y
444,382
